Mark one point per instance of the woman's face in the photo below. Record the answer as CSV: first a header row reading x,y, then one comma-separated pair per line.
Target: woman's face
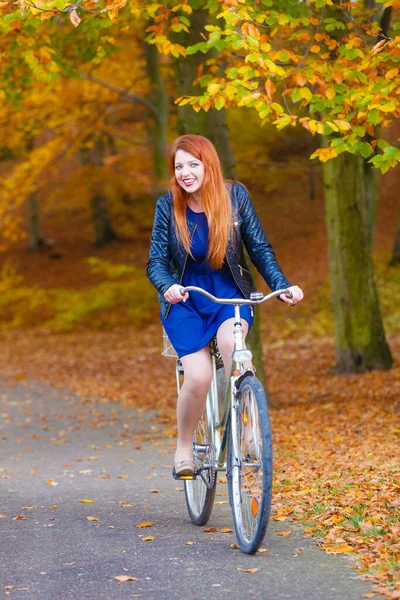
x,y
189,171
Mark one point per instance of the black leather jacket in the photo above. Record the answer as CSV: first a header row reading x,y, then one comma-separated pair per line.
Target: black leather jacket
x,y
167,259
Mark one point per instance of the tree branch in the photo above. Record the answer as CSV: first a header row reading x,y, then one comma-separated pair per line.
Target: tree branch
x,y
125,95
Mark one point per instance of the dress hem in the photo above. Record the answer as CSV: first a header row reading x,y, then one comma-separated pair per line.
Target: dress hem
x,y
206,344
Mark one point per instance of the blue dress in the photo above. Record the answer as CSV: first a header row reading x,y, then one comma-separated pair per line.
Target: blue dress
x,y
191,325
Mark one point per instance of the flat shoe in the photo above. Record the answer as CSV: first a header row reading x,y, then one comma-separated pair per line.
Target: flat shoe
x,y
184,468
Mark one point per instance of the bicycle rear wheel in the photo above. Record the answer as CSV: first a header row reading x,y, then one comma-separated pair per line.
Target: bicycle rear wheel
x,y
250,465
200,491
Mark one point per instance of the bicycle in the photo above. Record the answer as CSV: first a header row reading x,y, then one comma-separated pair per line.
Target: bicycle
x,y
236,439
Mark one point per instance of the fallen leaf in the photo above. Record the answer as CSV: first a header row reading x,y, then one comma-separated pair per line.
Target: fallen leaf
x,y
210,529
155,491
86,500
221,502
226,530
122,476
148,538
19,518
145,524
340,549
2,516
92,518
284,533
190,543
235,546
261,550
254,570
126,578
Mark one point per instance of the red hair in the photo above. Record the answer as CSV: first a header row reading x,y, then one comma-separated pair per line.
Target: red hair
x,y
214,197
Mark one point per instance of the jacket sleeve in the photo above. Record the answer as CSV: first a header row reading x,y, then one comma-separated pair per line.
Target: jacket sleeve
x,y
158,265
261,253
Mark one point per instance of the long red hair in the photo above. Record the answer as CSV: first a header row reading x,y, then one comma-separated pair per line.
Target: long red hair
x,y
214,197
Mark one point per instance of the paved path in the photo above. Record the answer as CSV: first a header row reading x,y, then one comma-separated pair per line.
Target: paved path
x,y
56,450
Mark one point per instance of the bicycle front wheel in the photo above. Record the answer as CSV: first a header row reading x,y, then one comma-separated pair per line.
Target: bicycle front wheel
x,y
200,492
250,465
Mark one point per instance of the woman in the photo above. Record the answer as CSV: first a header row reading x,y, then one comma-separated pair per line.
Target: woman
x,y
199,230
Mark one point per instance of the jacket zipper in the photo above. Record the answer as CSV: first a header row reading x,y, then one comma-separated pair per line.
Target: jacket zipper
x,y
234,278
241,269
183,270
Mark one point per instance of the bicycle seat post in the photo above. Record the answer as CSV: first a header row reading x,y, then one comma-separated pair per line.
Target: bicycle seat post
x,y
238,330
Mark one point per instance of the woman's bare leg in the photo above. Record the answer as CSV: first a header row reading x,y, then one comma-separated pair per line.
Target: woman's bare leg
x,y
192,399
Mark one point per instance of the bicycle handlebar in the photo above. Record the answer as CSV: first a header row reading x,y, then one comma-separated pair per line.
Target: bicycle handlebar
x,y
193,288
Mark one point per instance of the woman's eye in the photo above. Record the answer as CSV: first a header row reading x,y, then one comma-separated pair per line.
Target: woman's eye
x,y
194,165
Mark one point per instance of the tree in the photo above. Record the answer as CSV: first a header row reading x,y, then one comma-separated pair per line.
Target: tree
x,y
396,247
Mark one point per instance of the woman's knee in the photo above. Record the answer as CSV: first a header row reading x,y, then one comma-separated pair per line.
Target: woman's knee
x,y
197,372
197,381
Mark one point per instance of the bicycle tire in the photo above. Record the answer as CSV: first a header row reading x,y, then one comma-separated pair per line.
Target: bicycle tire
x,y
200,492
250,465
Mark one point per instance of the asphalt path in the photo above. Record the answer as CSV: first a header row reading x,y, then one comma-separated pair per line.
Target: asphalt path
x,y
57,451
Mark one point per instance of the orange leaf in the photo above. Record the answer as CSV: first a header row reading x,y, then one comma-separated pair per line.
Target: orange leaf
x,y
226,530
92,518
248,570
145,524
284,533
75,19
340,549
148,538
125,578
190,543
210,530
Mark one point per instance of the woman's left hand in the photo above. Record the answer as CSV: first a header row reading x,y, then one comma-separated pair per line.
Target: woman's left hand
x,y
297,294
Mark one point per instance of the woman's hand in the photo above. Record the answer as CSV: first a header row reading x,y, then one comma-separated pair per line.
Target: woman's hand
x,y
173,294
297,295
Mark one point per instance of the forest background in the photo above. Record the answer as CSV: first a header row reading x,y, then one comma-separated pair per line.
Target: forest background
x,y
302,103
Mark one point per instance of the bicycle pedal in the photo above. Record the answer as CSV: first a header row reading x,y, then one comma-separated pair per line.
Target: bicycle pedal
x,y
183,477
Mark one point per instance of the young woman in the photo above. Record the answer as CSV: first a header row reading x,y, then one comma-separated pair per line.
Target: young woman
x,y
199,230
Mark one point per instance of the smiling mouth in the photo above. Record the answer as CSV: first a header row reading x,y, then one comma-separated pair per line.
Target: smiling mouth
x,y
188,181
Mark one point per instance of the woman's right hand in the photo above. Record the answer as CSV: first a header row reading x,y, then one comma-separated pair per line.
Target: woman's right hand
x,y
173,294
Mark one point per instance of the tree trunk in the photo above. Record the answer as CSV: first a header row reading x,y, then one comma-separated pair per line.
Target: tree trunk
x,y
33,223
102,228
210,124
159,128
359,336
103,232
395,260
